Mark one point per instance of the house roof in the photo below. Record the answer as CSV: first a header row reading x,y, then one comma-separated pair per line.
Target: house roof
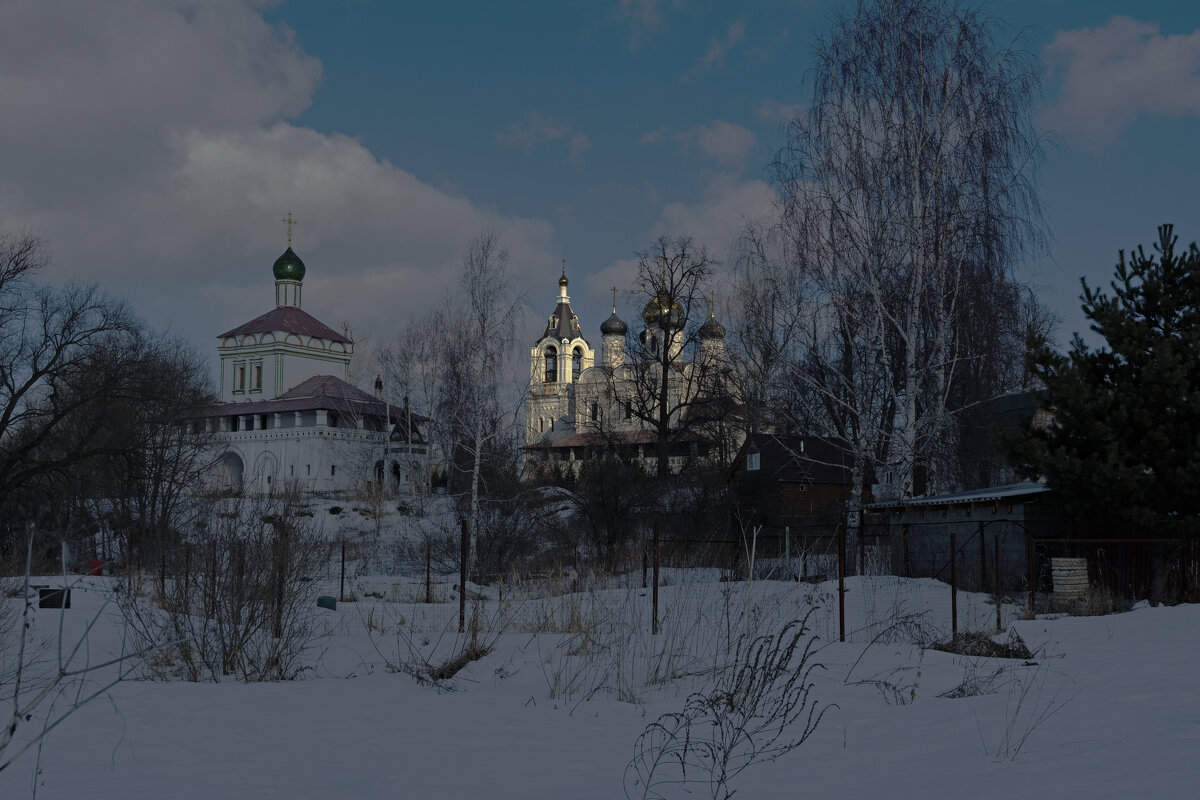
x,y
619,437
318,392
987,495
288,319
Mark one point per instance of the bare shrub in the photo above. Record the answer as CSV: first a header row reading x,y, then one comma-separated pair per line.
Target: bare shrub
x,y
240,600
759,709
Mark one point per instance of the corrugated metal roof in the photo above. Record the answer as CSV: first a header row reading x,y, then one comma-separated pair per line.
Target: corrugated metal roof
x,y
989,494
288,319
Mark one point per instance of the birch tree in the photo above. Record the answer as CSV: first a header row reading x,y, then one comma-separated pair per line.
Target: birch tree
x,y
479,326
907,185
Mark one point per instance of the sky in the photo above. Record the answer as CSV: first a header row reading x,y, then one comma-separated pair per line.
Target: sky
x,y
157,144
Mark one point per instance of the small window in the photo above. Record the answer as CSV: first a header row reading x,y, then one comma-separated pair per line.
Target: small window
x,y
256,378
628,409
292,469
308,469
551,357
595,411
541,425
239,382
332,470
753,460
576,363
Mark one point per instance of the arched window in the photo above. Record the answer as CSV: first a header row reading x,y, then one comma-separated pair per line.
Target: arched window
x,y
576,363
595,411
551,356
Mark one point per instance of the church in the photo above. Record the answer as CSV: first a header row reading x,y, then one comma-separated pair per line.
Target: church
x,y
286,415
577,403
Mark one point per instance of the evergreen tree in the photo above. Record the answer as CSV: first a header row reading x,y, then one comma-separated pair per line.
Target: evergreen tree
x,y
1124,443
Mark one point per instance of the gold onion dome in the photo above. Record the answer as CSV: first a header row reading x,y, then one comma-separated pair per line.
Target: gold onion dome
x,y
289,267
664,312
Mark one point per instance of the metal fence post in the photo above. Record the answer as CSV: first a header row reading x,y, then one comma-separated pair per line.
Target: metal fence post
x,y
982,561
953,586
462,581
654,618
996,585
842,585
342,582
1032,575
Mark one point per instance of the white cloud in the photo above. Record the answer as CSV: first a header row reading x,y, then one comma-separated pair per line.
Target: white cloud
x,y
727,144
150,142
720,214
538,128
773,111
715,221
1113,74
714,57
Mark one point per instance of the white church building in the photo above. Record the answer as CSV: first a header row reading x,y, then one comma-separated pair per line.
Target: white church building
x,y
287,416
580,399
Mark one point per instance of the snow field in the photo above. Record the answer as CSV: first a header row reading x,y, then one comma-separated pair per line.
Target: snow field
x,y
573,677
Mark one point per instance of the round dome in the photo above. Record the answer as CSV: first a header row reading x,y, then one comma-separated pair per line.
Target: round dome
x,y
289,267
613,326
660,306
712,329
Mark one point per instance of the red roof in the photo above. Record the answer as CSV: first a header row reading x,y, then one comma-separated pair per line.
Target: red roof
x,y
319,391
288,319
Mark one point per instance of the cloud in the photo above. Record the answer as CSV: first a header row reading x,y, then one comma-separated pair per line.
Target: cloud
x,y
772,111
1112,75
726,205
154,145
715,220
714,57
538,128
645,14
725,143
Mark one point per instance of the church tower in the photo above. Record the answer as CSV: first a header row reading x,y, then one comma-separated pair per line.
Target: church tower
x,y
612,338
556,360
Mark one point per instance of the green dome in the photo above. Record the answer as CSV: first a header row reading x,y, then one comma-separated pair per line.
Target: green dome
x,y
289,267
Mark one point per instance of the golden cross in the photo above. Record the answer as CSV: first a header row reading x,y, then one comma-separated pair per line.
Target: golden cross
x,y
712,303
614,299
289,220
564,263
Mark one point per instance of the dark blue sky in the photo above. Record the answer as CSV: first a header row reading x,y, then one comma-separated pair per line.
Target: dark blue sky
x,y
159,143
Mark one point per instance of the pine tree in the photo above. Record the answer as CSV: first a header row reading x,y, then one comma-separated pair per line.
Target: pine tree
x,y
1124,444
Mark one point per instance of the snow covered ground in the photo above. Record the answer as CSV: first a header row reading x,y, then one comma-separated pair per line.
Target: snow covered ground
x,y
1108,707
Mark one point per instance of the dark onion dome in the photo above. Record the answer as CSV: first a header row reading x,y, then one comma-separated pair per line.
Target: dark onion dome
x,y
289,267
613,326
664,305
712,329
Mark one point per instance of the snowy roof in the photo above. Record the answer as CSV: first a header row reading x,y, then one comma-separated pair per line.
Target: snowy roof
x,y
986,495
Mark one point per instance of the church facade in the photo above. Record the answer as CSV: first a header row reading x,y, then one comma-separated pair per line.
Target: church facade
x,y
579,400
287,416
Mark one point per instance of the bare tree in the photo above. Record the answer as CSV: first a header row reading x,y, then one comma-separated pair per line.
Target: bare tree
x,y
56,362
907,188
672,386
481,313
